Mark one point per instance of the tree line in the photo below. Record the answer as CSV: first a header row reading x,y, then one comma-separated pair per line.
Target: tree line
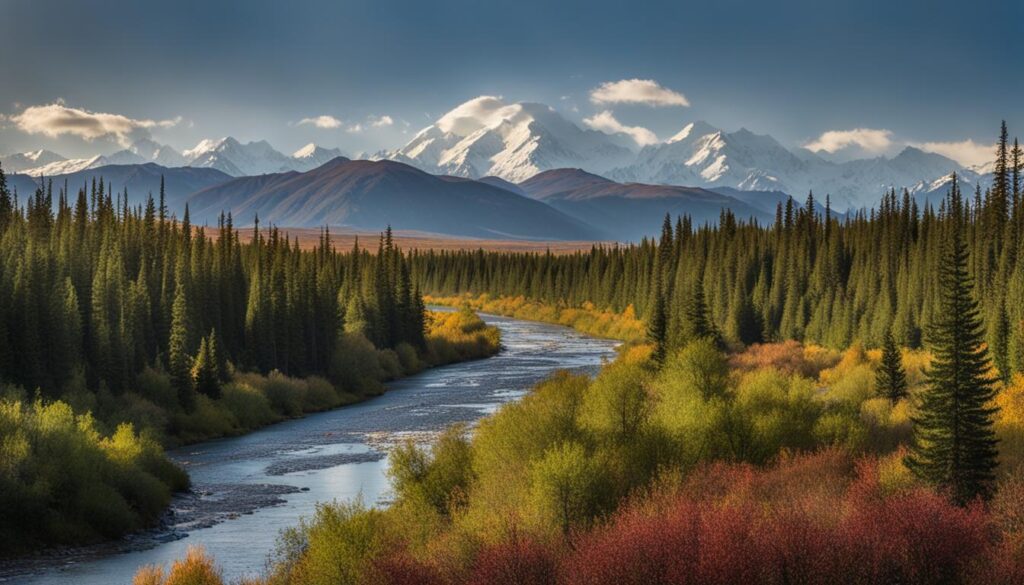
x,y
93,291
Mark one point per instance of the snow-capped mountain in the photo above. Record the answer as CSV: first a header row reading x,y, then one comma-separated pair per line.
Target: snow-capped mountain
x,y
701,155
19,162
234,158
704,156
160,154
47,164
487,136
74,165
67,166
226,154
312,156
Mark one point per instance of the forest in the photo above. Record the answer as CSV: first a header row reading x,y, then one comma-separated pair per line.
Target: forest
x,y
809,276
819,400
124,329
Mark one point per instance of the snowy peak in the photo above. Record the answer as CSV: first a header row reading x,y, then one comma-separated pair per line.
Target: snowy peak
x,y
66,166
22,161
513,141
161,154
234,158
312,156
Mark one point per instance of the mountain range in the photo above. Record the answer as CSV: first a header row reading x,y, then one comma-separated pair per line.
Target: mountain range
x,y
375,194
498,170
630,211
517,141
225,154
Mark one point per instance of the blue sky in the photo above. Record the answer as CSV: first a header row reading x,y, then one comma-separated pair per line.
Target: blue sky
x,y
919,72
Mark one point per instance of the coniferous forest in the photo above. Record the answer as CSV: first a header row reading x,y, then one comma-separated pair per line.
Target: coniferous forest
x,y
123,328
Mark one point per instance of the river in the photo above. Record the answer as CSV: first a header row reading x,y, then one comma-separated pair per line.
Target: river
x,y
249,488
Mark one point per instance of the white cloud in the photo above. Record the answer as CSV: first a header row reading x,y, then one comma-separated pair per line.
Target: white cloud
x,y
606,122
56,119
966,152
354,129
869,139
637,91
477,113
381,121
325,122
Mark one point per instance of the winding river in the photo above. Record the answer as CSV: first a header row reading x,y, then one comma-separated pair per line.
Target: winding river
x,y
247,489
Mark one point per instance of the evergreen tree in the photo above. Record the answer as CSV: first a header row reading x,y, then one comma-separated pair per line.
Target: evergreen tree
x,y
657,328
954,444
890,378
206,368
178,357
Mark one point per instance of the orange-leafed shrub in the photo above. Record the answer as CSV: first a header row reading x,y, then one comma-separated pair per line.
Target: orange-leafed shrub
x,y
791,357
197,568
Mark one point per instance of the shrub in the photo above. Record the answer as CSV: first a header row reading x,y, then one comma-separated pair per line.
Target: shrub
x,y
389,363
286,395
408,358
790,357
565,486
247,404
63,482
518,560
441,477
772,412
458,336
196,568
354,366
319,395
339,546
618,405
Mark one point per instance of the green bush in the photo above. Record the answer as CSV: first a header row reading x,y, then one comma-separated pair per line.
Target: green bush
x,y
440,477
62,482
354,366
320,394
248,405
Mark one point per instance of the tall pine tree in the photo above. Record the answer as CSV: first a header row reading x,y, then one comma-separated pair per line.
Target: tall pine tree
x,y
954,445
891,379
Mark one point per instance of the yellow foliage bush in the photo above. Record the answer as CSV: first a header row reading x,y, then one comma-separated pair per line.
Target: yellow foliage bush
x,y
586,318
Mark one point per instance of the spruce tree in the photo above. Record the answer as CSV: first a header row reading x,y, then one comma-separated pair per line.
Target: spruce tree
x,y
657,327
954,445
206,368
890,378
178,358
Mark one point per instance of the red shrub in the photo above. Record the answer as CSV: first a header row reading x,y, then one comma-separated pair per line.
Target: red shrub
x,y
918,537
520,560
638,548
811,519
402,569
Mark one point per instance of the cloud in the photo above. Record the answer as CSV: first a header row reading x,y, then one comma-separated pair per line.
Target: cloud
x,y
479,112
869,139
325,122
637,91
380,121
966,152
56,119
354,129
606,122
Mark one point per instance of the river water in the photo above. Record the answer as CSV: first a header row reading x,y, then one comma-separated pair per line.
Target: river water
x,y
247,489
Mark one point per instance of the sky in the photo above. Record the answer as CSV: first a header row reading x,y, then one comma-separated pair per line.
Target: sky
x,y
850,79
